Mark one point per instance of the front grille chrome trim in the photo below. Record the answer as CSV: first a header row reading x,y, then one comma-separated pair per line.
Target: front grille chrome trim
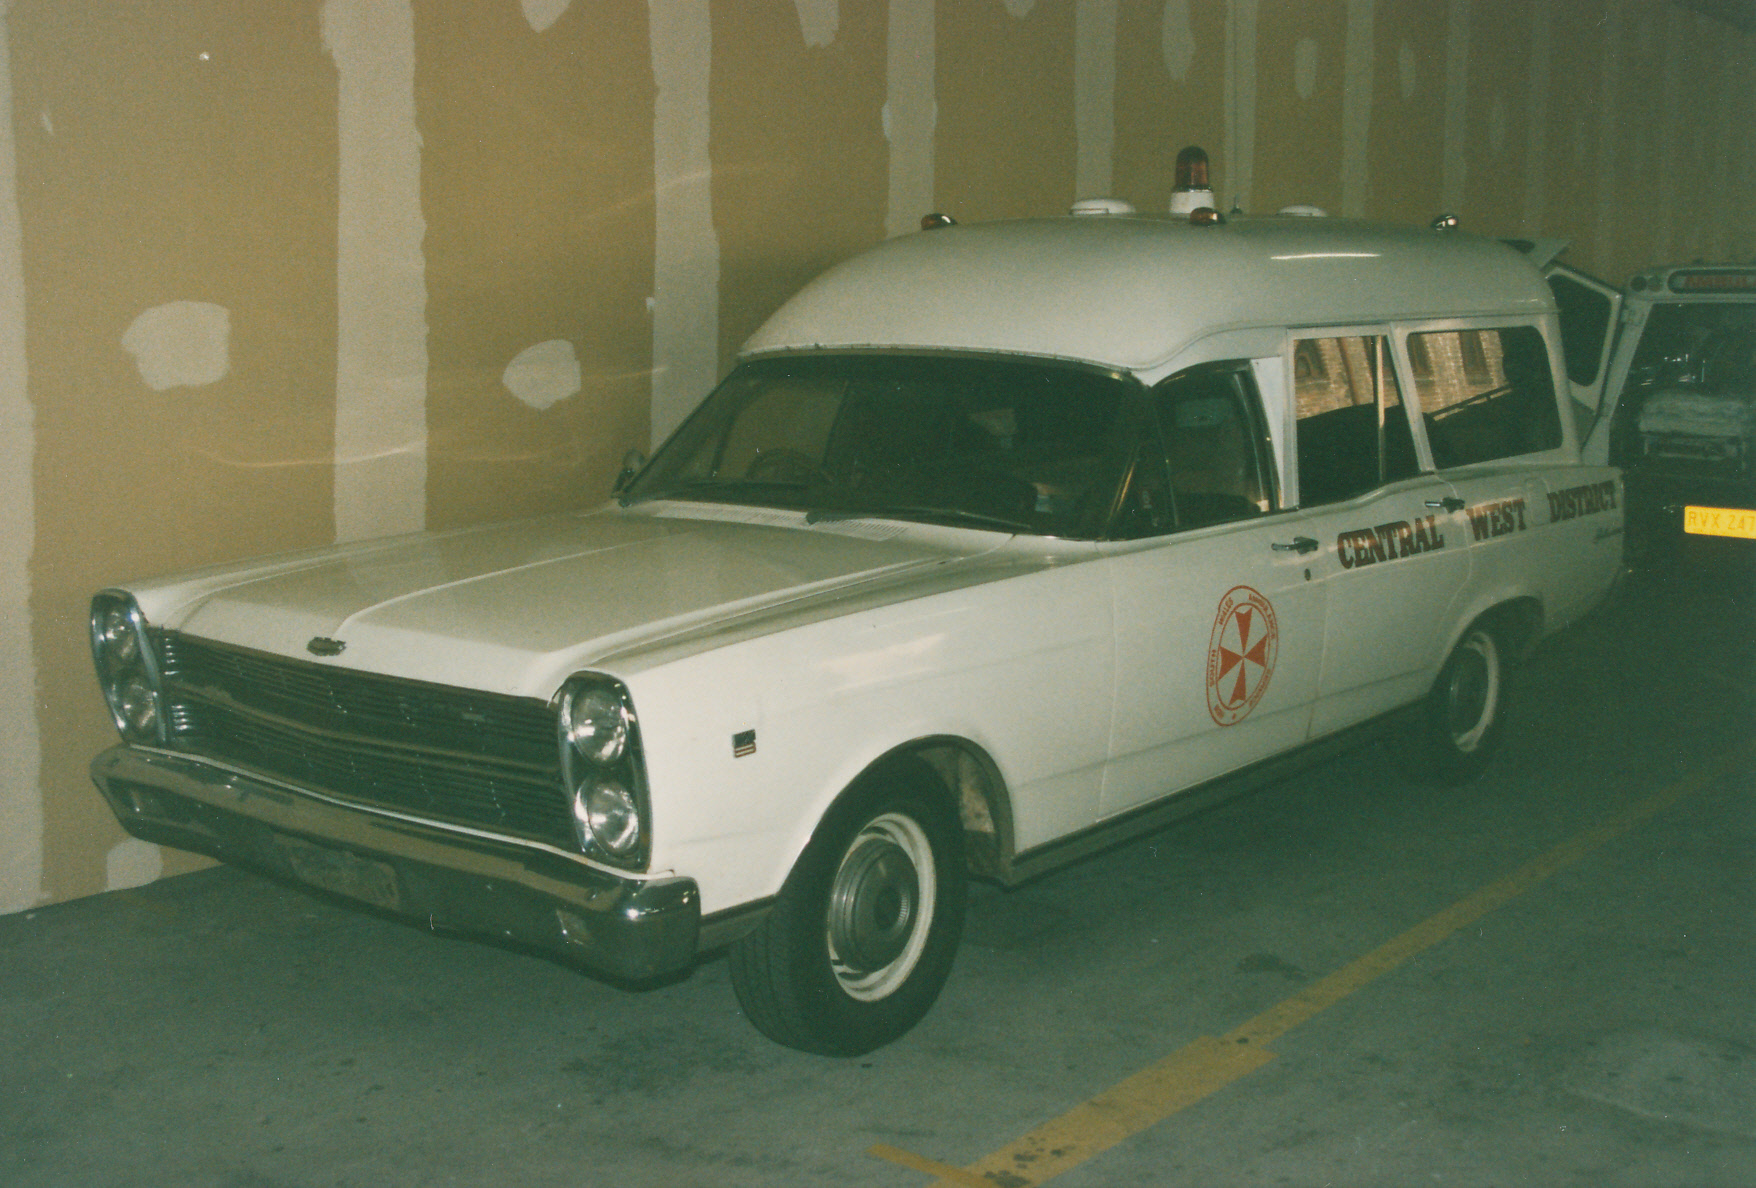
x,y
462,758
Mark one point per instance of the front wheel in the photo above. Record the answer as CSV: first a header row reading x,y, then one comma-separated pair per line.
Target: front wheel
x,y
861,939
1465,712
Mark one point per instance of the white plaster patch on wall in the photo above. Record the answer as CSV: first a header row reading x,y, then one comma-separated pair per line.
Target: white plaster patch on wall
x,y
1020,8
911,113
21,775
1406,76
181,344
1177,39
540,14
381,288
543,375
1305,67
819,21
132,863
1094,97
685,306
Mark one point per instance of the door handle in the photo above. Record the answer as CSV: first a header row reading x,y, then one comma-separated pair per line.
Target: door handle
x,y
1450,503
1300,544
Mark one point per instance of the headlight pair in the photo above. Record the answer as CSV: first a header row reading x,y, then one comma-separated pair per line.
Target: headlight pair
x,y
603,770
127,669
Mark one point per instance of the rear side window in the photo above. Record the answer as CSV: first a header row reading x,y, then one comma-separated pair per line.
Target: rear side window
x,y
1484,394
1353,431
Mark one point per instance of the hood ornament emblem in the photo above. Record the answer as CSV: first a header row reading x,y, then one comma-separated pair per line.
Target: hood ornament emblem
x,y
324,646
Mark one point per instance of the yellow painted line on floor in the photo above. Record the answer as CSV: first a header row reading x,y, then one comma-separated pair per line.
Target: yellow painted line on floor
x,y
1209,1064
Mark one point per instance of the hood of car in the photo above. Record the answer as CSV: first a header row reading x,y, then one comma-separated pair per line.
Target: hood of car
x,y
514,607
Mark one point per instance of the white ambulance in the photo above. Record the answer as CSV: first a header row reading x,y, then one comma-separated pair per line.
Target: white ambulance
x,y
999,544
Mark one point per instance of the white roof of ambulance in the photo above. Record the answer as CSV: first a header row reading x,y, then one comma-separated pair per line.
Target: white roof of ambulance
x,y
1130,291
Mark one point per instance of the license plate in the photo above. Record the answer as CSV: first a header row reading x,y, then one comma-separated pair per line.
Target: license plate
x,y
341,872
1720,521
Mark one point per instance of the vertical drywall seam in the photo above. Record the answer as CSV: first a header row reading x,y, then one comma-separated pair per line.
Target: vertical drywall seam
x,y
1455,156
1536,144
1094,97
381,283
685,300
1609,186
1356,107
1237,171
911,112
21,774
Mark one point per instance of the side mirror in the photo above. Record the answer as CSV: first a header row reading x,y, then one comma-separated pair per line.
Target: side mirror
x,y
632,461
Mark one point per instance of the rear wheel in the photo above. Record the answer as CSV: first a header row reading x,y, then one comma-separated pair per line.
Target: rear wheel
x,y
861,939
1462,721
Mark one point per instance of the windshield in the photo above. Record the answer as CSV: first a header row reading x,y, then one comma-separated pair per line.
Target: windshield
x,y
992,443
1709,347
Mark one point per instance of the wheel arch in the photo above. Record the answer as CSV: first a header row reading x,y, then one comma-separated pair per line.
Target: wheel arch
x,y
967,775
1515,619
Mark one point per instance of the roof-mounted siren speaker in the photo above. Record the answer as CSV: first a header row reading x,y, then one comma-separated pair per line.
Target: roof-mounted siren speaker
x,y
1192,191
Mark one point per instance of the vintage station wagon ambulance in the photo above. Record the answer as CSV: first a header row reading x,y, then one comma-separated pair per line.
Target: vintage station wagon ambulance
x,y
1001,542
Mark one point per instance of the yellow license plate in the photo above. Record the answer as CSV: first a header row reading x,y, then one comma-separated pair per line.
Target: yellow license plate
x,y
1720,521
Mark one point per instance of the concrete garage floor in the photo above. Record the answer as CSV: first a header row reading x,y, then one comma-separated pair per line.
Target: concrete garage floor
x,y
1544,979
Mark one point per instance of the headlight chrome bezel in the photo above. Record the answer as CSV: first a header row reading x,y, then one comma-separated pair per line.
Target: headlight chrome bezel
x,y
127,668
603,770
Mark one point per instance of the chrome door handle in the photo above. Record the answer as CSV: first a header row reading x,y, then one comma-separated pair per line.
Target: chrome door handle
x,y
1300,544
1450,503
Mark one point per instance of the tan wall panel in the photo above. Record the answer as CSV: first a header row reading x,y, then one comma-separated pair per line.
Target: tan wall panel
x,y
1639,105
1575,96
1498,105
536,186
1406,148
1006,145
800,163
171,151
1168,96
1298,136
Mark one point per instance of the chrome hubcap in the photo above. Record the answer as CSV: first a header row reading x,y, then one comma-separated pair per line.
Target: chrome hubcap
x,y
881,906
1473,692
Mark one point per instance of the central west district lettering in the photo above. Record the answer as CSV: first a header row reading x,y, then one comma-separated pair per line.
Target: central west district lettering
x,y
1496,519
1388,542
1582,501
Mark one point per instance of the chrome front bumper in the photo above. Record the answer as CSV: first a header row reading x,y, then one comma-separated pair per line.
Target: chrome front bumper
x,y
443,878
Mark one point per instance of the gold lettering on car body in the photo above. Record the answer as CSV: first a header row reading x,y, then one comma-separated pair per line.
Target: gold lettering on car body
x,y
1389,542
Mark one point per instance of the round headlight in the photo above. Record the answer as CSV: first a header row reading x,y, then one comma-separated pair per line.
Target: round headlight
x,y
606,813
597,724
138,706
117,641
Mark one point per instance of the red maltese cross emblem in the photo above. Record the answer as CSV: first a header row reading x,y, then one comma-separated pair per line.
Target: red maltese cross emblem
x,y
1240,655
